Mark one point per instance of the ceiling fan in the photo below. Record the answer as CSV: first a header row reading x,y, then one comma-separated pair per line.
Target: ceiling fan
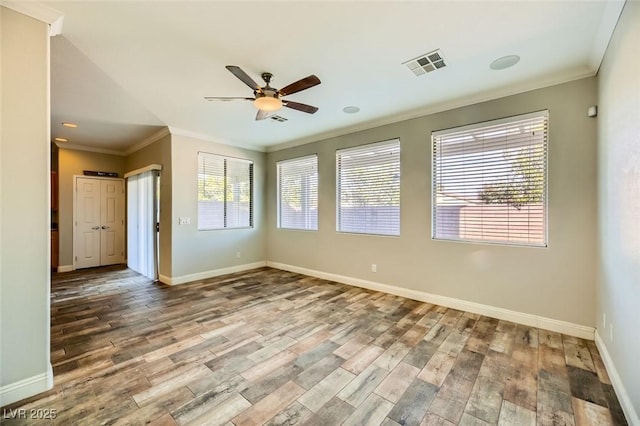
x,y
268,99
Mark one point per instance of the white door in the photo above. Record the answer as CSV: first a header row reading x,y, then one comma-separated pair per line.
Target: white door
x,y
88,227
99,230
111,222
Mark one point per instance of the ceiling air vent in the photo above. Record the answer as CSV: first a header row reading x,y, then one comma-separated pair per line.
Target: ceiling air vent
x,y
426,63
278,118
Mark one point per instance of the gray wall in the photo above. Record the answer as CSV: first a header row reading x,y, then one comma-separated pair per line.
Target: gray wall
x,y
74,162
194,251
24,203
159,152
556,282
619,204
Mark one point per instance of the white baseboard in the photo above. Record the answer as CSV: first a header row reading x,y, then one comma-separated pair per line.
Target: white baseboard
x,y
209,274
65,268
564,327
26,388
621,391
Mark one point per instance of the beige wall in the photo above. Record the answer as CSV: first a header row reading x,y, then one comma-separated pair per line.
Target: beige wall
x,y
557,282
619,205
159,152
70,163
184,250
24,206
193,251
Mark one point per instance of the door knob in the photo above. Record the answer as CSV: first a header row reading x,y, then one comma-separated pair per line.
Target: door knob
x,y
95,228
106,227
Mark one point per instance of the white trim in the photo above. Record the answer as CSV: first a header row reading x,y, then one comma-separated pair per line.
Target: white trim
x,y
143,169
66,268
76,147
617,383
148,141
138,146
432,109
201,136
564,327
209,274
39,11
27,387
55,28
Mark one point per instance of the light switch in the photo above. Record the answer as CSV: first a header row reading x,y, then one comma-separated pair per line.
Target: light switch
x,y
184,221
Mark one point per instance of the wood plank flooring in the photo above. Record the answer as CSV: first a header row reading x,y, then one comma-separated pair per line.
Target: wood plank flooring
x,y
277,348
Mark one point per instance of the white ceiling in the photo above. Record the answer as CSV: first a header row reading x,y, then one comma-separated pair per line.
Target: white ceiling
x,y
123,70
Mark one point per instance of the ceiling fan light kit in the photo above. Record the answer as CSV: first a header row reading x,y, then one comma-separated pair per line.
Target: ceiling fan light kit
x,y
267,99
267,102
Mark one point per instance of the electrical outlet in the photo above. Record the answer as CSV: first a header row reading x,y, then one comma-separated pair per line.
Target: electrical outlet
x,y
374,267
237,255
184,221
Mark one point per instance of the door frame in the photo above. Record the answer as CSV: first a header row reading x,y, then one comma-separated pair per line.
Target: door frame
x,y
73,222
157,169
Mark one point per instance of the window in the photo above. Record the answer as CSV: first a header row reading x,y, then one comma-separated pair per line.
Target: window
x,y
225,192
298,193
490,181
368,188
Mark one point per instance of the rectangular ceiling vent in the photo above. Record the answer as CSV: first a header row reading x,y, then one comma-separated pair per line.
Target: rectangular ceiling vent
x,y
426,63
278,118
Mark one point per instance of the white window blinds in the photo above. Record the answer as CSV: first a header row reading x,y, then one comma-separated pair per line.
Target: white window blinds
x,y
368,188
298,193
490,181
225,192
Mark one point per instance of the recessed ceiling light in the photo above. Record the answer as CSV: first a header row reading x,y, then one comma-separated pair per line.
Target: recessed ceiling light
x,y
350,109
67,124
504,62
61,140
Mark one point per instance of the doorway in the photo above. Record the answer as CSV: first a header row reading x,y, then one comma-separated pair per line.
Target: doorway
x,y
143,221
98,222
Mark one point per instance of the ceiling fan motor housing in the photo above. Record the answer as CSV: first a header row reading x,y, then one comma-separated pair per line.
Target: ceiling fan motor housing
x,y
267,92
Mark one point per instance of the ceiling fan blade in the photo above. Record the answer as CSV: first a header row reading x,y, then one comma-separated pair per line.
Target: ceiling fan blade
x,y
300,85
261,115
237,71
300,107
227,98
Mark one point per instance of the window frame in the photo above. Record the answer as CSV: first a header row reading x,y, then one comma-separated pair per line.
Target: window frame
x,y
543,114
373,145
279,164
225,219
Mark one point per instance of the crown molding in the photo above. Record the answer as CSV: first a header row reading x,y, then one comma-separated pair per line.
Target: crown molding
x,y
141,170
76,147
203,137
434,109
138,146
39,11
148,141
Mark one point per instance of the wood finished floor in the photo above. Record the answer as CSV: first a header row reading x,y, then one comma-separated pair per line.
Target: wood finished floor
x,y
273,347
